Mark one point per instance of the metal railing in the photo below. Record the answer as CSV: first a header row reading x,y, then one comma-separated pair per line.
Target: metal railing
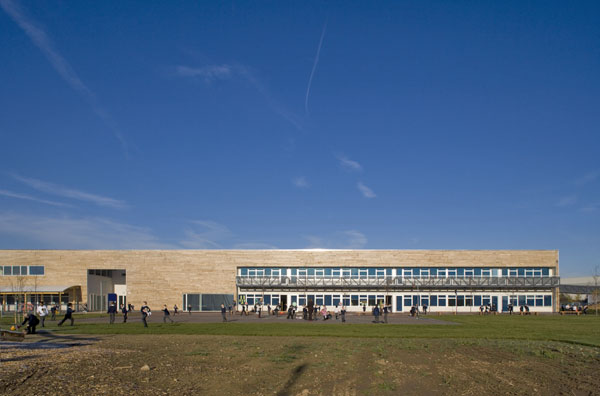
x,y
395,282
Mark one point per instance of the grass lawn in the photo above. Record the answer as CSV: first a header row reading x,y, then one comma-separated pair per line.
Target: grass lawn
x,y
583,330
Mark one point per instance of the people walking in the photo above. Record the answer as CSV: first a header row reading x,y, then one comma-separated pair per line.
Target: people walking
x,y
311,307
53,312
167,314
385,313
43,312
68,315
224,312
175,309
343,313
112,311
511,308
124,311
145,310
291,312
190,309
337,311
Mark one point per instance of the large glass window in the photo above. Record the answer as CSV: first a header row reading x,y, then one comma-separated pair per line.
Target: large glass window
x,y
346,300
522,300
547,301
433,301
16,270
468,301
477,301
372,300
7,270
442,301
451,301
319,299
441,272
539,301
460,301
301,301
36,270
354,300
530,301
336,300
407,301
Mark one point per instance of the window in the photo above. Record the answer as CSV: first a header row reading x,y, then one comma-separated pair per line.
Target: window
x,y
460,272
451,301
7,270
469,301
36,270
477,301
336,273
336,300
372,300
244,271
469,272
539,301
275,299
522,300
451,272
545,271
442,272
346,300
425,273
477,272
354,300
442,301
530,301
512,272
460,301
407,301
433,301
415,301
486,300
433,272
16,270
547,301
266,299
319,300
301,301
425,300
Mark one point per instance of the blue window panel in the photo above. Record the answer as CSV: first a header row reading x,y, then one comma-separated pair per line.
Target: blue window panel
x,y
522,300
416,271
301,301
295,299
425,301
477,301
327,271
266,299
399,303
354,299
336,300
407,301
477,271
294,272
7,270
310,297
327,300
346,300
442,301
275,300
399,271
355,272
460,301
433,301
433,272
311,271
539,301
267,271
504,271
530,301
521,272
547,301
460,272
319,300
371,272
250,300
36,270
372,300
244,271
416,300
388,271
284,271
545,271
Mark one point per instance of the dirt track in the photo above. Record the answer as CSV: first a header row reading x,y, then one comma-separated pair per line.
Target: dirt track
x,y
219,365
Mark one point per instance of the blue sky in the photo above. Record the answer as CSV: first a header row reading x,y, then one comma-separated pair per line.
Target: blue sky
x,y
387,125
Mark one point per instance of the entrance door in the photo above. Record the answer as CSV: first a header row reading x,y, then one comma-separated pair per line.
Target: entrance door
x,y
504,303
283,302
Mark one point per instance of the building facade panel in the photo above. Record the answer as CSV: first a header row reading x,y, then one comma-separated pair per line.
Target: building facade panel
x,y
164,276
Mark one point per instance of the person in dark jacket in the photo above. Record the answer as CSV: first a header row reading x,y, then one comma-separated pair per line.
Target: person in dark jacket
x,y
68,315
224,312
124,311
167,314
145,310
376,314
31,321
112,311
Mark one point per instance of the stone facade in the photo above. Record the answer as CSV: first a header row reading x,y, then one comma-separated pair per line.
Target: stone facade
x,y
163,276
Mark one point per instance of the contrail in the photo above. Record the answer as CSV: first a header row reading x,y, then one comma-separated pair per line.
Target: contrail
x,y
312,73
61,65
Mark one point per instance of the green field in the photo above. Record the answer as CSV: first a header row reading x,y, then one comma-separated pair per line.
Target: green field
x,y
583,330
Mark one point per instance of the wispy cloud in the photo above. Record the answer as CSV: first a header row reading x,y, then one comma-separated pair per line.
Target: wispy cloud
x,y
593,207
366,191
208,73
205,234
61,191
300,182
567,201
348,164
61,65
356,239
588,178
314,68
27,197
79,233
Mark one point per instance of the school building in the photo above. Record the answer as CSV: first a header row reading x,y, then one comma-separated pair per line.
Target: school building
x,y
443,280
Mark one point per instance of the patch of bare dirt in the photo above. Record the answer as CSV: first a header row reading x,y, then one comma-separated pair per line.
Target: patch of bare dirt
x,y
219,365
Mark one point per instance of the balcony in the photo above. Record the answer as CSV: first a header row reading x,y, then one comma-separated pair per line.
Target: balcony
x,y
396,283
